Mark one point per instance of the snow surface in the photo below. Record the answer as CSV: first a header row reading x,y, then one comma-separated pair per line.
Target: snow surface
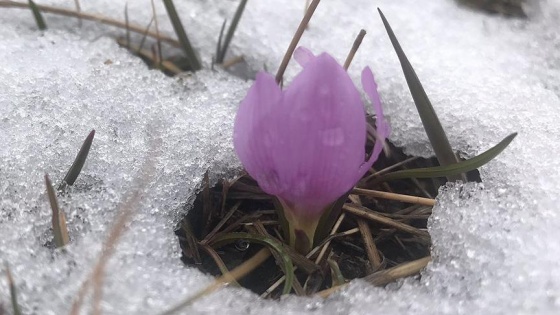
x,y
495,245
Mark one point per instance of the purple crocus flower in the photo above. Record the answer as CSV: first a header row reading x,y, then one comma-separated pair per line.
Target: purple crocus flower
x,y
306,144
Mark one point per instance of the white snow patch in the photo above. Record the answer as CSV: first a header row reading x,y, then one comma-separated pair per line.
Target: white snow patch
x,y
495,249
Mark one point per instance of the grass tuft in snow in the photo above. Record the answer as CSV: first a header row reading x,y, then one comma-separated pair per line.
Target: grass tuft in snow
x,y
430,121
13,292
60,230
37,15
182,36
79,162
222,49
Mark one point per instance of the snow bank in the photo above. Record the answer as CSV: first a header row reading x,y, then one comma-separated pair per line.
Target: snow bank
x,y
494,244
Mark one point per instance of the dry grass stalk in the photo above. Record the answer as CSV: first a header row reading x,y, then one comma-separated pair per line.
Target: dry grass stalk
x,y
145,53
393,196
60,230
236,274
371,250
232,61
355,46
295,40
91,17
401,271
373,216
324,246
386,276
390,168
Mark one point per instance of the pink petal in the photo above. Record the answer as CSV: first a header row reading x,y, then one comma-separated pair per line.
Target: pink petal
x,y
303,55
253,135
382,127
323,122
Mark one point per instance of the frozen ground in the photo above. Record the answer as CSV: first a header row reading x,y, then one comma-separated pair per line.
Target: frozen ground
x,y
495,246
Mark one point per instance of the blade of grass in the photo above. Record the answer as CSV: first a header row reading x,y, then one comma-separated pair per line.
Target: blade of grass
x,y
158,55
231,31
220,38
13,292
321,246
430,121
441,171
60,230
182,35
126,210
267,241
145,35
76,167
298,259
37,15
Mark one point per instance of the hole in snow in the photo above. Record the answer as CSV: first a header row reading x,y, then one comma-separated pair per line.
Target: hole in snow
x,y
397,231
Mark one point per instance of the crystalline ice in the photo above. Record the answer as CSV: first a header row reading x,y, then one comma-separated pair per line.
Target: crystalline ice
x,y
495,249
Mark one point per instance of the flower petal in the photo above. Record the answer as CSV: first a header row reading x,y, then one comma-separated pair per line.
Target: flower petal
x,y
254,133
303,55
382,127
324,133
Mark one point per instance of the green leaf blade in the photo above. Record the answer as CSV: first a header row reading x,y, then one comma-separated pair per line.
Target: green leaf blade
x,y
430,121
79,162
37,15
182,35
13,292
453,169
231,31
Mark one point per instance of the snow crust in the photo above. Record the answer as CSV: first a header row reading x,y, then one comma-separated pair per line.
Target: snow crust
x,y
494,244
